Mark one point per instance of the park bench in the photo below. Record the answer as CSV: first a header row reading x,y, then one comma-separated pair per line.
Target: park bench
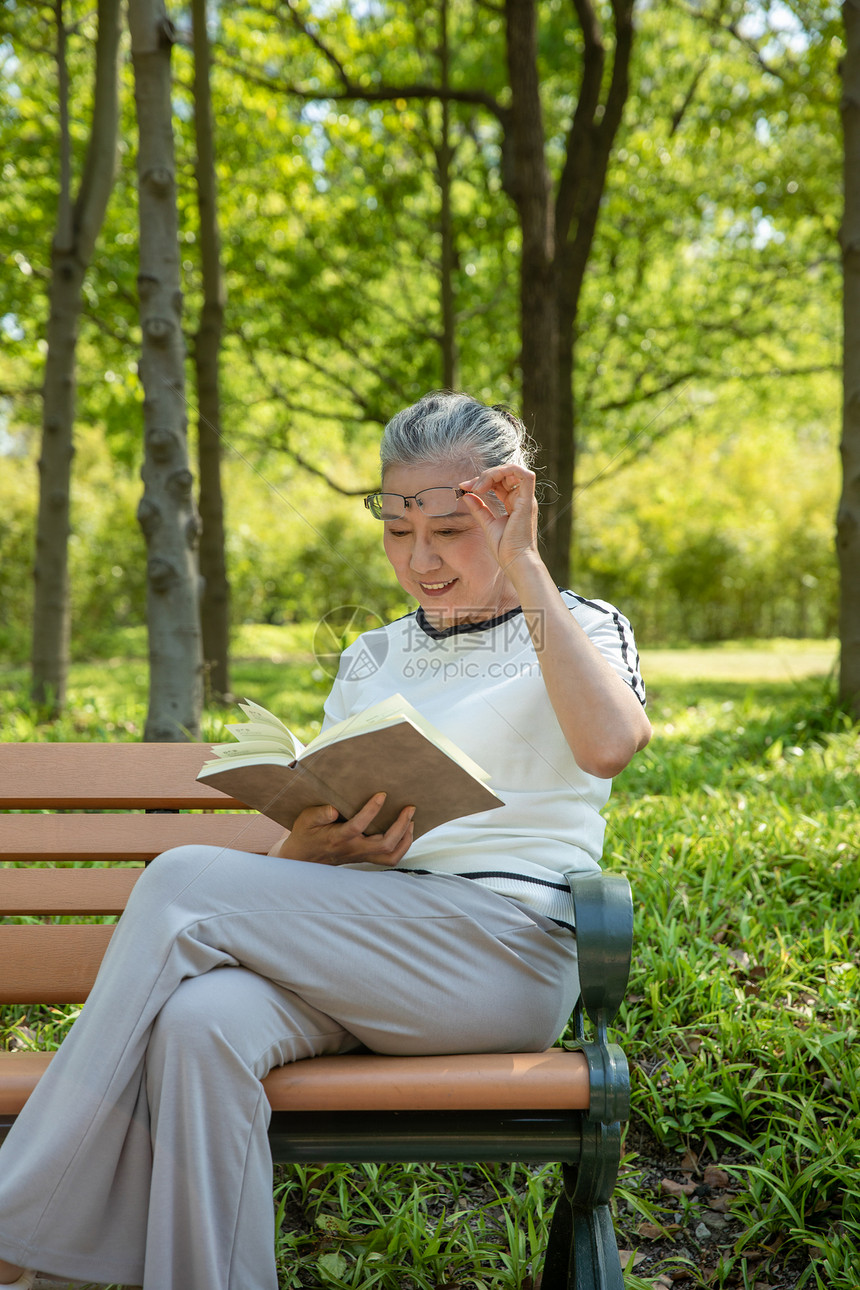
x,y
67,807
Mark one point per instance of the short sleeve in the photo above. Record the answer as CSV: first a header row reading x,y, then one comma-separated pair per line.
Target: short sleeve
x,y
608,629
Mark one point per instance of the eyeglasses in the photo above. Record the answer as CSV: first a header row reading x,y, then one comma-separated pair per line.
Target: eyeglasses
x,y
430,501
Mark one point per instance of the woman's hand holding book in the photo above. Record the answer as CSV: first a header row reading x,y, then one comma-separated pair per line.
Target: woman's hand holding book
x,y
319,836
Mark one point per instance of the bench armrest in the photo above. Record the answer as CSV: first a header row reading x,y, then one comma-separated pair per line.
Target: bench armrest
x,y
603,915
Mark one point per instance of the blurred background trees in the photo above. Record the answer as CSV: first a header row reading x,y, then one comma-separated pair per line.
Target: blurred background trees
x,y
374,244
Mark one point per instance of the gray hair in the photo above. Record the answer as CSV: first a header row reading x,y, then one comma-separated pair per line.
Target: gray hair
x,y
447,427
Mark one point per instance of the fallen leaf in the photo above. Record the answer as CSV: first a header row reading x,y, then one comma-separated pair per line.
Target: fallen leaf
x,y
689,1162
653,1231
714,1176
672,1188
630,1259
719,1203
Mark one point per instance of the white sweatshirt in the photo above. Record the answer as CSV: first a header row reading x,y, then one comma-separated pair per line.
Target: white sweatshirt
x,y
481,685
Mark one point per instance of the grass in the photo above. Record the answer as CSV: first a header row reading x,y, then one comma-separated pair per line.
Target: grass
x,y
738,828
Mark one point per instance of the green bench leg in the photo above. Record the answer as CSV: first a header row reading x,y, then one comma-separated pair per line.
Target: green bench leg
x,y
582,1253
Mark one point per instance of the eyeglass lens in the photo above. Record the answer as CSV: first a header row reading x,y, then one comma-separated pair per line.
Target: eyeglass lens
x,y
431,501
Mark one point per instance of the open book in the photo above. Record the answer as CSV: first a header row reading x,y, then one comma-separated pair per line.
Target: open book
x,y
387,748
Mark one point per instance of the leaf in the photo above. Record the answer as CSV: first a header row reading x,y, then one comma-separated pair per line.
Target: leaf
x,y
332,1264
689,1162
332,1224
654,1231
714,1176
672,1188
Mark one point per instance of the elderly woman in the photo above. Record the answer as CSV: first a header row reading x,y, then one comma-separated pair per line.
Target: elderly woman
x,y
226,964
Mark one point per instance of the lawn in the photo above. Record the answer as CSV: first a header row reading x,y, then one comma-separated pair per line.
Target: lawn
x,y
738,828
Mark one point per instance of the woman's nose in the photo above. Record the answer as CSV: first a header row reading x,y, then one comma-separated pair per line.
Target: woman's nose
x,y
423,557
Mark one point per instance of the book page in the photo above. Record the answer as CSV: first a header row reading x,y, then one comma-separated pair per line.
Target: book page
x,y
387,712
262,733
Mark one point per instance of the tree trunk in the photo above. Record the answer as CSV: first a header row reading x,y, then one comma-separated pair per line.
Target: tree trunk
x,y
848,515
577,208
450,373
566,458
527,180
215,592
167,514
78,226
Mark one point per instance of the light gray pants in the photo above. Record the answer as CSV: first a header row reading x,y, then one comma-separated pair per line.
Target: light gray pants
x,y
142,1155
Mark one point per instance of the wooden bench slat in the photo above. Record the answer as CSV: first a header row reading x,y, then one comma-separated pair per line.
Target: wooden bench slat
x,y
129,837
107,776
65,891
51,963
554,1080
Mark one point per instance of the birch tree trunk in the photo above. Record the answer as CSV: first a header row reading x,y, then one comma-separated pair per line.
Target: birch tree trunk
x,y
848,514
78,224
215,594
167,514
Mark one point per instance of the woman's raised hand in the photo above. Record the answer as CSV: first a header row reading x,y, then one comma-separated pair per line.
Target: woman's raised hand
x,y
318,837
512,531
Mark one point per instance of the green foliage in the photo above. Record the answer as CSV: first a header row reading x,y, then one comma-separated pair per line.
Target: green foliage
x,y
706,392
411,1226
689,544
719,533
738,830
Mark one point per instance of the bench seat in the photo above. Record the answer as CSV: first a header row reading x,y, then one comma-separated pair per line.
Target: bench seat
x,y
552,1080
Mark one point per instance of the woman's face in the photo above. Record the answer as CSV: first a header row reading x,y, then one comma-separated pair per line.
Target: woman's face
x,y
443,561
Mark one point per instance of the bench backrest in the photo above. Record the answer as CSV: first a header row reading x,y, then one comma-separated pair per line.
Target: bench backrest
x,y
112,808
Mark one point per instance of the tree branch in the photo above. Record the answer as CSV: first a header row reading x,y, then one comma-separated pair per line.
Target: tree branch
x,y
281,396
678,116
100,165
638,395
318,43
64,232
356,92
579,149
581,202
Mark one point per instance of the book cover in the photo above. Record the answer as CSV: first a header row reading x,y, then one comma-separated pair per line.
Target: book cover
x,y
388,748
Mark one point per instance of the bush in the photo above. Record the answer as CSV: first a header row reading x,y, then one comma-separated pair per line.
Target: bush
x,y
707,538
712,539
